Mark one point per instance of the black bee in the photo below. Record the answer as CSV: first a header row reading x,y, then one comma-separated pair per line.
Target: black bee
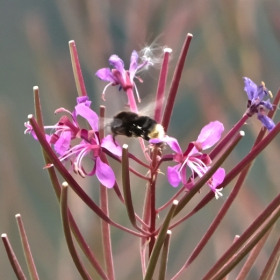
x,y
133,125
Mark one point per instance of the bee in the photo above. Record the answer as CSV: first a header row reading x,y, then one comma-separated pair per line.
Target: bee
x,y
133,125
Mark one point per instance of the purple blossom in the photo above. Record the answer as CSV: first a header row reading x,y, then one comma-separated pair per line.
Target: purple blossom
x,y
118,75
89,146
194,159
256,104
68,129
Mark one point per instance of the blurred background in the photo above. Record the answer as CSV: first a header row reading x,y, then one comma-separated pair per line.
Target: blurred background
x,y
231,39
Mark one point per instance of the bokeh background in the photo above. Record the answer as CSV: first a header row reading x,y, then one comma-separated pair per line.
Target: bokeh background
x,y
232,39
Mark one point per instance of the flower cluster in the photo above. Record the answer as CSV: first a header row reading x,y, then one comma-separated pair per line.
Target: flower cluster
x,y
194,159
68,129
68,142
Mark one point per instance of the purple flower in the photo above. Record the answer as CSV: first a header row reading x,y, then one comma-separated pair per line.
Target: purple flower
x,y
89,146
256,104
118,75
68,129
194,159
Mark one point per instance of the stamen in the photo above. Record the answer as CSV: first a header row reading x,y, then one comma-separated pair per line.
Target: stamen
x,y
103,93
137,93
218,193
59,110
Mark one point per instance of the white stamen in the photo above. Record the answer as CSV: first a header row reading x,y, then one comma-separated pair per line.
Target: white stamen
x,y
218,193
137,93
103,93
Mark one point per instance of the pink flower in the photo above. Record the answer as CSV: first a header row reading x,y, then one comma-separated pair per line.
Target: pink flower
x,y
194,159
68,129
118,75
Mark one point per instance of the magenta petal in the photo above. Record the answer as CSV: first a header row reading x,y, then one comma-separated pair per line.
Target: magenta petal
x,y
218,178
170,141
104,173
83,99
174,177
105,74
210,134
173,144
63,143
48,137
133,65
109,144
117,63
88,114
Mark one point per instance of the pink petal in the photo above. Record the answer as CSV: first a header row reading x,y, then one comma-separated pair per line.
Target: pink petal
x,y
218,178
88,114
170,141
173,144
133,65
83,99
105,174
63,143
174,177
117,63
105,74
210,134
109,144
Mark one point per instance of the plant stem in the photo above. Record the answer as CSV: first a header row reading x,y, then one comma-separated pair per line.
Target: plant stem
x,y
12,257
103,197
26,249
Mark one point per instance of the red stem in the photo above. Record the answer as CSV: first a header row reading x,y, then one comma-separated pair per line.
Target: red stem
x,y
131,100
153,200
103,197
77,69
175,83
228,137
161,86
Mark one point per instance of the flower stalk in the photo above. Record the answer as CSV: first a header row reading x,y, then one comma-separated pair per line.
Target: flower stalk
x,y
247,235
248,247
12,257
271,265
78,76
127,191
175,82
159,242
57,188
105,227
26,249
161,86
164,256
67,232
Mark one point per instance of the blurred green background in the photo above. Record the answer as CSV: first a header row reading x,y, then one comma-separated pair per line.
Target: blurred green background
x,y
232,39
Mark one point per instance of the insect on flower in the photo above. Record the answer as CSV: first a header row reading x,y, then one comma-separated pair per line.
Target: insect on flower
x,y
131,124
